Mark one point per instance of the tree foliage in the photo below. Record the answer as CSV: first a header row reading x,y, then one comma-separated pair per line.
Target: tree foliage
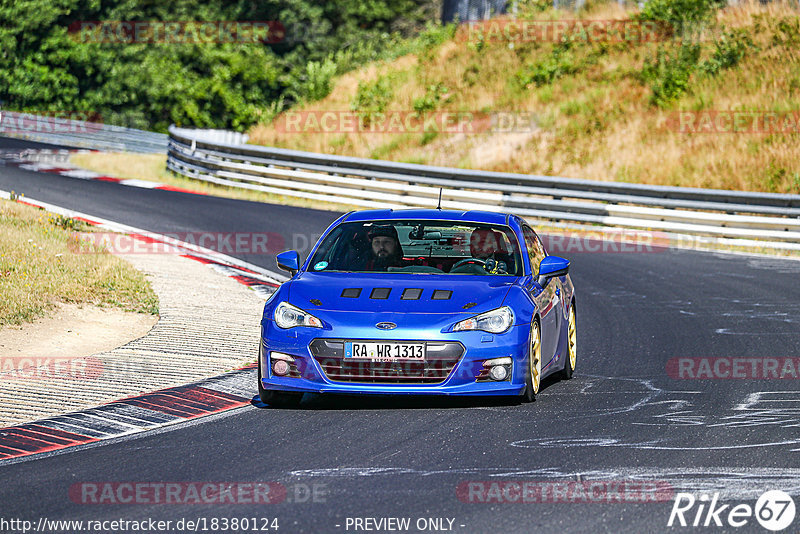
x,y
44,67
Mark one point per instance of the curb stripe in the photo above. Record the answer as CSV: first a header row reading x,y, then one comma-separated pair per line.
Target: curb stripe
x,y
54,434
7,453
191,403
65,424
43,437
13,440
30,445
25,162
208,261
180,190
131,415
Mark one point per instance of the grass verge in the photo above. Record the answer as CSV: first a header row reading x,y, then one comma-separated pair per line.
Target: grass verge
x,y
38,267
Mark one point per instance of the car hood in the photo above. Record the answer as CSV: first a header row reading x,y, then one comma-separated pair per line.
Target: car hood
x,y
456,293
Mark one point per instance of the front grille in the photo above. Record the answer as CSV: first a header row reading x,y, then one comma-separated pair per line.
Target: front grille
x,y
441,358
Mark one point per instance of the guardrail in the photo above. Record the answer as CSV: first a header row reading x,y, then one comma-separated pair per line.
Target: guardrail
x,y
79,134
767,217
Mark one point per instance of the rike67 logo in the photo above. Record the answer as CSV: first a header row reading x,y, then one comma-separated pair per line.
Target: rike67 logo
x,y
774,510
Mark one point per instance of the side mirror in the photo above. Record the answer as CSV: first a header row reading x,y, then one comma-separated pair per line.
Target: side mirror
x,y
550,267
289,261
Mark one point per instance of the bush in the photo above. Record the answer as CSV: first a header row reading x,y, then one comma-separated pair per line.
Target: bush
x,y
316,83
373,97
434,35
558,64
729,50
787,32
681,15
669,73
434,95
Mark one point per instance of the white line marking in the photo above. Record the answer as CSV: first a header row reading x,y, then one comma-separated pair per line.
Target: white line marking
x,y
80,173
140,183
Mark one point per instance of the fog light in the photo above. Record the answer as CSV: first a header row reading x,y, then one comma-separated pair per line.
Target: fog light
x,y
498,372
280,367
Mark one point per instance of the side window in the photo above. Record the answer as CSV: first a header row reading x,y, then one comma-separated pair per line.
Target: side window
x,y
535,249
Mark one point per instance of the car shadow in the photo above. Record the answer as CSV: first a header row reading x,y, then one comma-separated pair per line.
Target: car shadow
x,y
337,401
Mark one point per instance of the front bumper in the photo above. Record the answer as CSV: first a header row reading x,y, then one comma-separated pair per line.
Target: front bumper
x,y
461,380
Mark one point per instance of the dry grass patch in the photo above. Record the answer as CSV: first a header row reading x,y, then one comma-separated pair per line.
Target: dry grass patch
x,y
38,268
596,112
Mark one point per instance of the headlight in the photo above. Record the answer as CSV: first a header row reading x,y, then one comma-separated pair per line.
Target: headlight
x,y
495,321
288,316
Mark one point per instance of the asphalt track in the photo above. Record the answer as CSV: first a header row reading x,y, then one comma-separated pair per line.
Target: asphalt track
x,y
621,418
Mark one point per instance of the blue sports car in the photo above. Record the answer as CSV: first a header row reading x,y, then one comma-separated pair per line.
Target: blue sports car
x,y
419,302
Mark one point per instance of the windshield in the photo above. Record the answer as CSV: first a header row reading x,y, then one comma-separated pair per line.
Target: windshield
x,y
430,247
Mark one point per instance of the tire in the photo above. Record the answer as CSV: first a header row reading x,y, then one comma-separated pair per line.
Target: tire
x,y
569,364
533,374
276,399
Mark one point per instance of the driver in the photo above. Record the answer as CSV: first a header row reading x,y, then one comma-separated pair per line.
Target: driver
x,y
487,245
386,249
483,243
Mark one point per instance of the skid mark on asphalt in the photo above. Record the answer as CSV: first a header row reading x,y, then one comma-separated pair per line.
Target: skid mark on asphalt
x,y
730,332
759,408
731,482
560,443
642,403
786,266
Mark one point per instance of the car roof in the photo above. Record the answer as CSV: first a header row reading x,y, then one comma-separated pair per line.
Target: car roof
x,y
474,216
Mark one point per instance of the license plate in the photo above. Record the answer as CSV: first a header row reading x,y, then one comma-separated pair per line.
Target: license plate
x,y
384,352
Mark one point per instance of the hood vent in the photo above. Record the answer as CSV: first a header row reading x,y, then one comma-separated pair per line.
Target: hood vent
x,y
381,293
411,294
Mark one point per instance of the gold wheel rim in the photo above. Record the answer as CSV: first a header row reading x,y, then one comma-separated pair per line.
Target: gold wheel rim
x,y
536,364
572,339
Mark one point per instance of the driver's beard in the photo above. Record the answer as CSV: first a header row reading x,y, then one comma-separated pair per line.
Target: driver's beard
x,y
386,261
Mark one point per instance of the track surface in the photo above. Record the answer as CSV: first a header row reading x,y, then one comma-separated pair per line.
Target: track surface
x,y
622,416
